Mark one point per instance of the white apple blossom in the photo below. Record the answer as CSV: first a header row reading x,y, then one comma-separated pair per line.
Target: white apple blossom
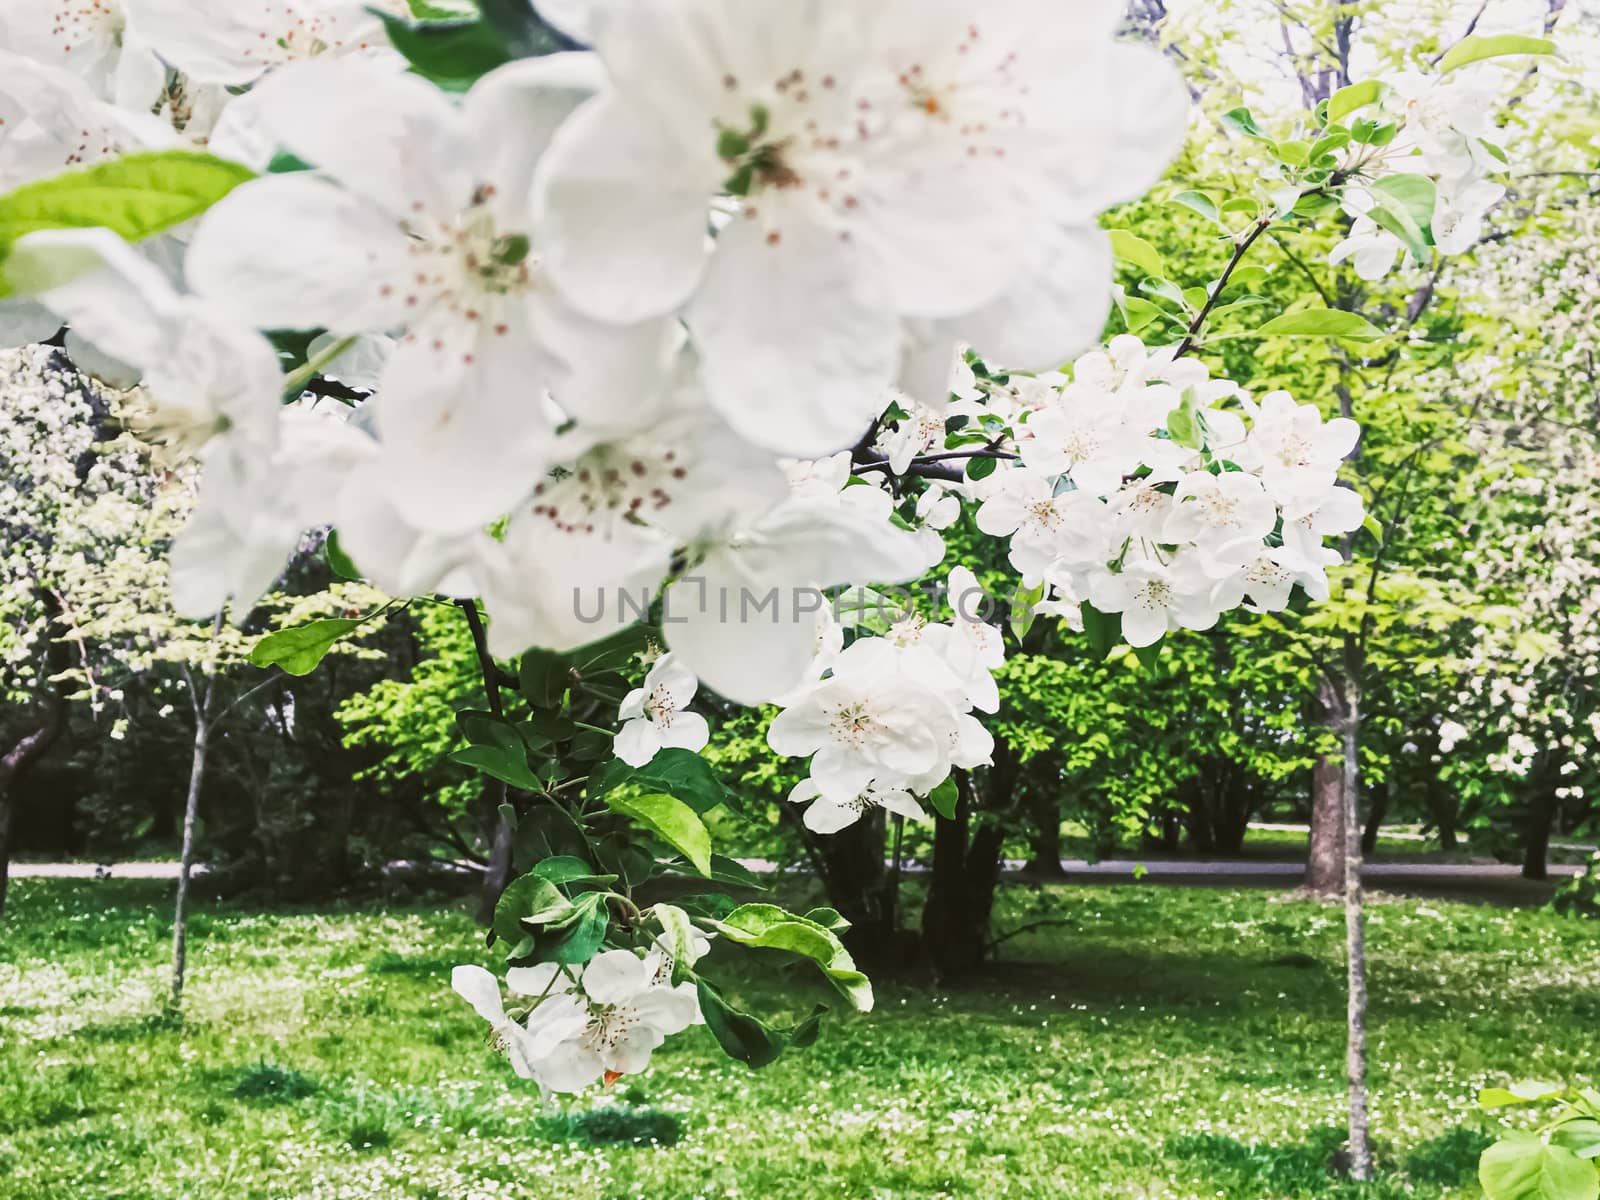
x,y
829,813
605,1026
939,162
654,716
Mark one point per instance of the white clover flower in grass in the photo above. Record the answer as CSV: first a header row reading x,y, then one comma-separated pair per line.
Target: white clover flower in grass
x,y
889,162
654,717
415,220
608,1025
830,812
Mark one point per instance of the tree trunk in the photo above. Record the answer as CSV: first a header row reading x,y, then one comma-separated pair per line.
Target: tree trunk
x,y
851,867
1375,815
191,811
1325,865
1355,941
966,867
497,872
33,745
1045,809
1536,842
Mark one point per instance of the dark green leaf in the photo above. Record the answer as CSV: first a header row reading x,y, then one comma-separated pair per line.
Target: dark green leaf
x,y
740,1035
1104,630
677,772
944,799
452,54
527,901
338,561
542,677
564,870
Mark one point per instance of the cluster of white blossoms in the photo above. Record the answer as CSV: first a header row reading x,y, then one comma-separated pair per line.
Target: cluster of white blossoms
x,y
1446,134
574,1026
1150,490
885,719
522,278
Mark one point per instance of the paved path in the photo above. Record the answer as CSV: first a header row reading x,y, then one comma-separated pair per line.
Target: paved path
x,y
1126,868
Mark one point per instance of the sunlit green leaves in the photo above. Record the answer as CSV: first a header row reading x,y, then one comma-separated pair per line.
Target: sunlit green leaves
x,y
1476,49
1404,206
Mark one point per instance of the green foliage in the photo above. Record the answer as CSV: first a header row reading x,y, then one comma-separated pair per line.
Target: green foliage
x,y
297,651
135,196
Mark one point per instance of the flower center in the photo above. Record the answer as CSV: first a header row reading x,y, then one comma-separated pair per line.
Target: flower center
x,y
608,1024
79,21
851,723
606,485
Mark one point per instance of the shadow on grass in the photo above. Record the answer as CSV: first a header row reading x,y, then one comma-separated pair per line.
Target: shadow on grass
x,y
1315,1169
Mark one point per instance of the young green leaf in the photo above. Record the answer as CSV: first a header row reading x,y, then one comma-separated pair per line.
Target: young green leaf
x,y
1347,99
1104,630
297,651
1136,252
134,196
944,799
1200,202
670,819
452,54
532,900
1319,322
768,927
1476,49
1522,1167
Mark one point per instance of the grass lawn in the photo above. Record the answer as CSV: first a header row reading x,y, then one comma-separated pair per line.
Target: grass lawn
x,y
1160,1043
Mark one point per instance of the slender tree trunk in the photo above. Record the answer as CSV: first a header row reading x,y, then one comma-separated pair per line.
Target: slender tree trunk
x,y
1355,941
1536,842
191,812
1375,816
1325,862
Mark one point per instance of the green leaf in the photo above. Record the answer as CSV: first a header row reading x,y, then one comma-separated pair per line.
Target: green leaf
x,y
576,937
545,831
1199,202
1347,99
1239,120
1404,207
740,1035
1524,1168
1137,313
1476,49
1370,524
298,650
1581,1136
1137,252
338,561
542,678
1149,656
134,196
498,750
1319,322
532,900
563,870
1165,290
981,468
677,936
1295,153
670,819
829,918
675,771
727,870
1104,630
452,54
944,799
768,927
